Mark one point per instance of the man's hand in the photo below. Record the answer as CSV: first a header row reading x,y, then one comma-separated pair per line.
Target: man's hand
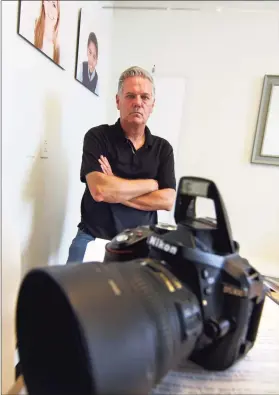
x,y
105,166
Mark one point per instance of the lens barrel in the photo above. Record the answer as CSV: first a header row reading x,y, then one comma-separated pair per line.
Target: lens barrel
x,y
96,328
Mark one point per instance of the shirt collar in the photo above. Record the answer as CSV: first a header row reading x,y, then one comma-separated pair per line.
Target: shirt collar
x,y
91,75
121,134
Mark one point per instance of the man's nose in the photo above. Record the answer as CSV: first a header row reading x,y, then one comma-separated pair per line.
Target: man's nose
x,y
137,101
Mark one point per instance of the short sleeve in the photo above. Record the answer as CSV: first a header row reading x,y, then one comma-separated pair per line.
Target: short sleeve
x,y
166,172
93,148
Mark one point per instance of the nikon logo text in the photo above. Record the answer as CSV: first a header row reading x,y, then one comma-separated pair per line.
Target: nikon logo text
x,y
158,243
229,289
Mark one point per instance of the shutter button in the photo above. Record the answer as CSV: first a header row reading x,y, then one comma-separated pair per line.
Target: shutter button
x,y
122,238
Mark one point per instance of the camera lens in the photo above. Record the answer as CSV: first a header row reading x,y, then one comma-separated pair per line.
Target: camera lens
x,y
97,328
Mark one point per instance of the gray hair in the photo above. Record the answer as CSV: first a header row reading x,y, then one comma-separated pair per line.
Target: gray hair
x,y
135,71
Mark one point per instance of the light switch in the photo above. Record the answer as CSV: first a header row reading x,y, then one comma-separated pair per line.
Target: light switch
x,y
44,149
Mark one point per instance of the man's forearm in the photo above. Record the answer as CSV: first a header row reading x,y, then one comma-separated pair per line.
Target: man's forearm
x,y
159,200
112,189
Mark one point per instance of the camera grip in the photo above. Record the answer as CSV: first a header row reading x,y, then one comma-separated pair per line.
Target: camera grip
x,y
225,351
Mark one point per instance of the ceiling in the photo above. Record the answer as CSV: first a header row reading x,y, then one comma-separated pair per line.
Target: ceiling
x,y
252,6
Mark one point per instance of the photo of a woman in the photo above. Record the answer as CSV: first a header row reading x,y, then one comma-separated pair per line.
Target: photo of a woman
x,y
40,24
46,33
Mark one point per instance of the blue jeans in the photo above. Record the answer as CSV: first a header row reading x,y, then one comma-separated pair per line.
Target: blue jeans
x,y
78,247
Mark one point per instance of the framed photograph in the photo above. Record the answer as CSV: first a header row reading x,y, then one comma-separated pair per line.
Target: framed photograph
x,y
266,141
43,23
88,50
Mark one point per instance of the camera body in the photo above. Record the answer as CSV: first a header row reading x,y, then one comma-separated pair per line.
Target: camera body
x,y
200,254
163,294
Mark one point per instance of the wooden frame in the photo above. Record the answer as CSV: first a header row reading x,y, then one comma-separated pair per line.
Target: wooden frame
x,y
270,93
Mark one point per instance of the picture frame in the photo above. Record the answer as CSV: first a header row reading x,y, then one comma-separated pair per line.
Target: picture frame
x,y
33,21
266,140
87,51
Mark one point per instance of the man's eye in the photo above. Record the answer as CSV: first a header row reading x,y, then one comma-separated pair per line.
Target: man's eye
x,y
144,97
130,96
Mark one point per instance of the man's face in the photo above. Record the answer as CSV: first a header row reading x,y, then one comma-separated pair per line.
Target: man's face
x,y
92,56
135,102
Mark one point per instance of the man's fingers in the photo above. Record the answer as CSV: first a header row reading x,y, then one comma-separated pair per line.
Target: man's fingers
x,y
106,161
104,169
103,160
105,166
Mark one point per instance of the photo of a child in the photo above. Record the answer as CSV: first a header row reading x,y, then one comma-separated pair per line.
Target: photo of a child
x,y
87,73
93,50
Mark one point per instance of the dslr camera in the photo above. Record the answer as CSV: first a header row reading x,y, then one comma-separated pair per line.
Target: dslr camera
x,y
164,294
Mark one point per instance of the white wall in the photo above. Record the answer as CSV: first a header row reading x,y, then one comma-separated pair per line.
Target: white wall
x,y
41,197
223,57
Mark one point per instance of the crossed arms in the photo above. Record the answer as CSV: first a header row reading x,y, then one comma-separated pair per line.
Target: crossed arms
x,y
140,194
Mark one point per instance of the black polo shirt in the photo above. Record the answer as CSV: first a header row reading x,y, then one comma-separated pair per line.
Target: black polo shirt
x,y
154,160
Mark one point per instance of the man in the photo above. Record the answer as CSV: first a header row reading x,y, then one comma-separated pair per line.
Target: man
x,y
129,173
87,73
